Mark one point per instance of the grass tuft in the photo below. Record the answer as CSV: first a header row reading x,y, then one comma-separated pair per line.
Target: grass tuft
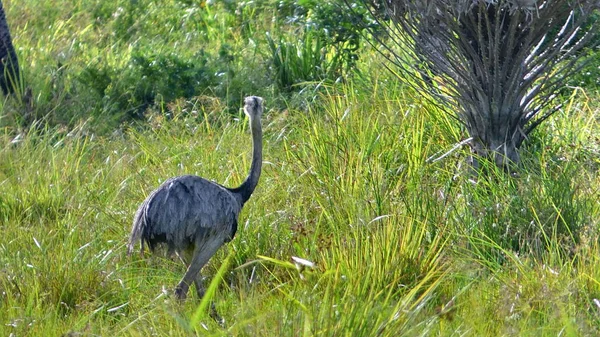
x,y
366,220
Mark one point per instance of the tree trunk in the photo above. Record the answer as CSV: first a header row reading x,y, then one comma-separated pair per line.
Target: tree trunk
x,y
9,65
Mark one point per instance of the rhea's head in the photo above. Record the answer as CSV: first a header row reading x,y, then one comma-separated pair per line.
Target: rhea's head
x,y
253,106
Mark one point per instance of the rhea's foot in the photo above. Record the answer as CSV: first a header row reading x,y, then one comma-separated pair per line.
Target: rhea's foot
x,y
215,315
200,291
181,292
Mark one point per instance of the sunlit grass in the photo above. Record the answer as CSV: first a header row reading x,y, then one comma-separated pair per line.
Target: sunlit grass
x,y
397,244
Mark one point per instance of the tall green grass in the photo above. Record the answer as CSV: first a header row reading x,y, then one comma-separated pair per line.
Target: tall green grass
x,y
398,244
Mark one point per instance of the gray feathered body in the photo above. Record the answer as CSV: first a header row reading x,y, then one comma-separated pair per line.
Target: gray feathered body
x,y
193,215
184,211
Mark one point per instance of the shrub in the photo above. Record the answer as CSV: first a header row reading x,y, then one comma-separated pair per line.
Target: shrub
x,y
330,43
145,80
306,60
496,65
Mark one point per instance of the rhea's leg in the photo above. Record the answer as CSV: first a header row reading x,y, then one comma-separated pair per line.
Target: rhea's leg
x,y
202,253
199,286
200,290
185,257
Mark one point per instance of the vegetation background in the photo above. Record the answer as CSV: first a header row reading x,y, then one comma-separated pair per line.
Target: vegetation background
x,y
127,93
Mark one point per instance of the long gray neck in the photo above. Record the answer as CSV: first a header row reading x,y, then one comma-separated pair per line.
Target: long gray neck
x,y
247,187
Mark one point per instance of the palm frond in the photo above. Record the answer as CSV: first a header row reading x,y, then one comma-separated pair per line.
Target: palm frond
x,y
501,63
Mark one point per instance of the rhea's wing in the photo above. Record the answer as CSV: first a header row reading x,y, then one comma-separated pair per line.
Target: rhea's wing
x,y
188,207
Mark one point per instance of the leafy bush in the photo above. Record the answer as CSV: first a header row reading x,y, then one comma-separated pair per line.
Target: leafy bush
x,y
306,60
342,29
145,80
330,45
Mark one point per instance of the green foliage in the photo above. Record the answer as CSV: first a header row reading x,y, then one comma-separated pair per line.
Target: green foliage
x,y
329,47
342,28
400,244
123,58
529,215
589,76
305,60
147,79
113,61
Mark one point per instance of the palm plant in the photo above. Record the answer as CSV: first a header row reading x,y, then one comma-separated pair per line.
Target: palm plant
x,y
496,65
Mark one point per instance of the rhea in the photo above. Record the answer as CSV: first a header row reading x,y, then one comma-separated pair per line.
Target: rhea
x,y
193,216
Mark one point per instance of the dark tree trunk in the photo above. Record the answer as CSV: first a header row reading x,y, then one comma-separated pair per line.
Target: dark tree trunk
x,y
9,65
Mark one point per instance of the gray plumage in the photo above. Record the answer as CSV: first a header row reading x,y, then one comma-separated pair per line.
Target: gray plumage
x,y
194,216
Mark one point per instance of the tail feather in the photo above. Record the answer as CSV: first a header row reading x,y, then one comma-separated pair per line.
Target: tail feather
x,y
136,231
